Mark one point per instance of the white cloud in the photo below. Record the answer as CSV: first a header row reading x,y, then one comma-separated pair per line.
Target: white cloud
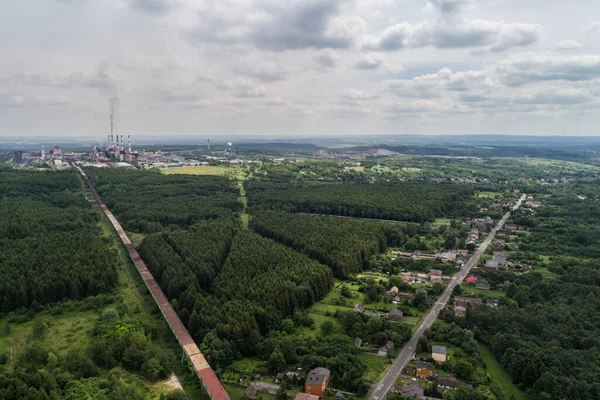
x,y
568,45
531,67
369,62
480,35
327,58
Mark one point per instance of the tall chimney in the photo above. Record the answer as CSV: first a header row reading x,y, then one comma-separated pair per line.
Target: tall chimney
x,y
208,142
129,140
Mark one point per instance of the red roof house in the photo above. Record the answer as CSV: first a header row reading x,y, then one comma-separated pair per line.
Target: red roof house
x,y
471,279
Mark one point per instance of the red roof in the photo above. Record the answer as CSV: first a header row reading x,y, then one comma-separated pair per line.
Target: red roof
x,y
435,272
471,279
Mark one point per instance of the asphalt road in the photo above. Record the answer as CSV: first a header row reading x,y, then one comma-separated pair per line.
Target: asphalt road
x,y
408,351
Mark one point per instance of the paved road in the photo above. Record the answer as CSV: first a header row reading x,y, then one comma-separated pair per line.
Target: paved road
x,y
387,383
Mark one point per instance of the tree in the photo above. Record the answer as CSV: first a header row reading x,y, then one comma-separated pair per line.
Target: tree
x,y
327,328
276,362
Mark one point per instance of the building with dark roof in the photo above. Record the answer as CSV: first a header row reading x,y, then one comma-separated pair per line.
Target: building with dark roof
x,y
317,381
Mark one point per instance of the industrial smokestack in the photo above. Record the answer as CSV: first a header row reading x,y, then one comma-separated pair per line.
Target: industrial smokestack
x,y
129,141
208,142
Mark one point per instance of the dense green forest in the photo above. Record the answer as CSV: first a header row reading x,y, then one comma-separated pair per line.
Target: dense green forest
x,y
401,202
146,201
342,244
51,245
268,273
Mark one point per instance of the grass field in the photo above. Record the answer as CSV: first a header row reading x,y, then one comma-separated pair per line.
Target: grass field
x,y
234,171
376,366
357,169
499,375
441,221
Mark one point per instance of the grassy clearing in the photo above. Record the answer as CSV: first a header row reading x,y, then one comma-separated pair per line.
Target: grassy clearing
x,y
468,290
499,375
376,366
234,171
357,169
442,221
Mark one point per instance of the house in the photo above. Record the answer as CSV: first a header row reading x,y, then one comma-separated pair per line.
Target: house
x,y
460,311
357,342
471,279
394,290
306,396
482,285
460,261
470,301
492,302
500,257
395,316
438,353
424,369
317,381
435,275
371,314
413,389
251,391
359,308
384,350
491,264
463,252
451,383
511,227
406,278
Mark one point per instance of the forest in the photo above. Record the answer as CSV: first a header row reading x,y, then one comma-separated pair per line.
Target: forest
x,y
51,245
146,201
400,202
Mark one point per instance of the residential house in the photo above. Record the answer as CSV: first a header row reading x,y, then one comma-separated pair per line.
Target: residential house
x,y
481,284
395,316
384,350
463,252
413,389
435,275
491,264
359,308
251,391
468,301
406,278
460,261
471,279
424,369
511,227
492,302
451,383
357,342
460,311
306,396
438,353
393,291
317,381
500,257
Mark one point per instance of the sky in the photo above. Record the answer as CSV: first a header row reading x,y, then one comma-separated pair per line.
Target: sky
x,y
299,67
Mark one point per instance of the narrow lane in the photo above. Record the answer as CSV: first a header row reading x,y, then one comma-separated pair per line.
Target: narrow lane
x,y
408,351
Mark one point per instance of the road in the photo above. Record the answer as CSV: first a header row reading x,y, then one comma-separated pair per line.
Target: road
x,y
408,351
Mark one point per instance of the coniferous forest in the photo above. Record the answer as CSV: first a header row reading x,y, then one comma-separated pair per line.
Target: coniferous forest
x,y
51,245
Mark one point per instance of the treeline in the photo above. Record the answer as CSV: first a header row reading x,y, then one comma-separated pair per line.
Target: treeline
x,y
270,274
400,201
342,244
51,245
147,201
188,259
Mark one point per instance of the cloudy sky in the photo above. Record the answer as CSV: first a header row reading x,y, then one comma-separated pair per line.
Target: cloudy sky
x,y
291,67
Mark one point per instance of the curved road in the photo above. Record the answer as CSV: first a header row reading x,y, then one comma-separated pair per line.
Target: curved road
x,y
408,351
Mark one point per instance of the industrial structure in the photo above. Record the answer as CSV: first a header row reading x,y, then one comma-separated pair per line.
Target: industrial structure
x,y
209,380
